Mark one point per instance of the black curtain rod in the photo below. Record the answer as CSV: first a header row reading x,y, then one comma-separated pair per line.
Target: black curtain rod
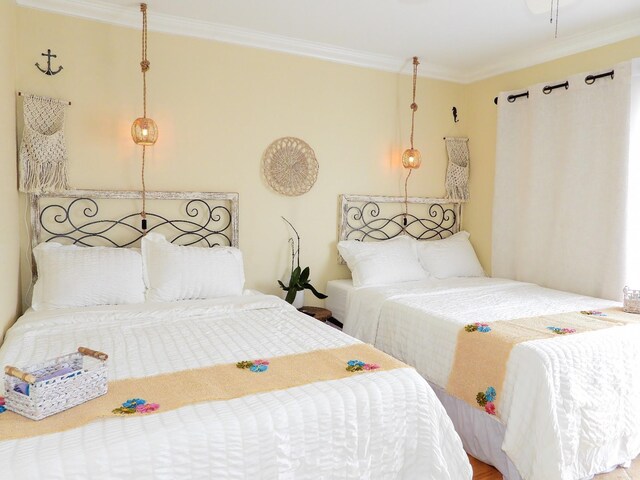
x,y
550,88
589,80
513,98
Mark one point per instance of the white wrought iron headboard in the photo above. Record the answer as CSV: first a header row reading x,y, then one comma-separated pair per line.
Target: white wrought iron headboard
x,y
375,218
76,217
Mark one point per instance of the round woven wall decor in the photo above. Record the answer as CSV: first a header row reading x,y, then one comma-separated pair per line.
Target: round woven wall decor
x,y
290,166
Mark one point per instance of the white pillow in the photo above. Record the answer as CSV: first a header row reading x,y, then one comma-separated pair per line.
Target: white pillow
x,y
72,276
380,263
174,272
450,257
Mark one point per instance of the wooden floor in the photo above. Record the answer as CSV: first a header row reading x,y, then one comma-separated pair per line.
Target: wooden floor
x,y
482,471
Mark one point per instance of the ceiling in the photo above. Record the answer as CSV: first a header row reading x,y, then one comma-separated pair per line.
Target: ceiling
x,y
459,40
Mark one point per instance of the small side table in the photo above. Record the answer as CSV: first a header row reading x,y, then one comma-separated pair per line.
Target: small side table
x,y
318,313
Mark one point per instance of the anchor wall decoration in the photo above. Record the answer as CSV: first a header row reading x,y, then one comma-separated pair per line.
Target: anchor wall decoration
x,y
48,71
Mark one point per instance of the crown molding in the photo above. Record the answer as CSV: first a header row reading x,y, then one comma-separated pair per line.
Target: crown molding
x,y
130,17
555,49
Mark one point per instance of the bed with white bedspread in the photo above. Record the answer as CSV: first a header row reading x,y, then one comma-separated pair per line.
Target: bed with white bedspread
x,y
570,404
542,384
378,425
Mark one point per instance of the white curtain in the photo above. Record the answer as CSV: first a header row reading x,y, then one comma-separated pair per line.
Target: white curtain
x,y
561,186
633,212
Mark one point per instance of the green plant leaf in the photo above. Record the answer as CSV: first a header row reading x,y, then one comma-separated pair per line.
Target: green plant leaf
x,y
295,277
282,285
304,276
308,286
291,295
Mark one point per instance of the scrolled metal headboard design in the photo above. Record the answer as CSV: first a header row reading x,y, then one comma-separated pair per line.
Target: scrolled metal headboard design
x,y
74,216
375,218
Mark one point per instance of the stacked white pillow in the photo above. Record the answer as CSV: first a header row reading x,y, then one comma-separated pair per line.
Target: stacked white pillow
x,y
72,276
380,263
404,259
174,272
451,257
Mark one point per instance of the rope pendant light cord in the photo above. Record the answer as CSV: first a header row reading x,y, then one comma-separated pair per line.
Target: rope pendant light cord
x,y
143,214
406,201
144,66
414,107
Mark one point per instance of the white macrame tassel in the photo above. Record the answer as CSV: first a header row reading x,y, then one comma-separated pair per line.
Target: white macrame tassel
x,y
457,180
43,154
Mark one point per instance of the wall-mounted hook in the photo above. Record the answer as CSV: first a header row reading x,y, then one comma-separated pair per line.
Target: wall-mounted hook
x,y
454,111
48,71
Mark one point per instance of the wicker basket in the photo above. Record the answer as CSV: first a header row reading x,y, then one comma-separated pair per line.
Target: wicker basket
x,y
85,378
631,300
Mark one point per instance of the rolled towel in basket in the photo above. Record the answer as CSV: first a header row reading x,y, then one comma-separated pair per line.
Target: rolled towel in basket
x,y
23,387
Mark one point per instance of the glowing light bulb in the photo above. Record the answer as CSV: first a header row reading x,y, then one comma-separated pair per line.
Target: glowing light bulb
x,y
145,132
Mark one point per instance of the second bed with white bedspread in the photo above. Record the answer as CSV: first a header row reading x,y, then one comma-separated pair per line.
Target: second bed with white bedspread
x,y
569,404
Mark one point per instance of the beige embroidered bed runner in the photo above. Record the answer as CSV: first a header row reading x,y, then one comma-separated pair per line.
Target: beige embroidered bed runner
x,y
483,349
218,382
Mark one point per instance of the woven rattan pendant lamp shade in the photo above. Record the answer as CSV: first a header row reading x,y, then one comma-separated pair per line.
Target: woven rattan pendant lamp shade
x,y
144,131
411,158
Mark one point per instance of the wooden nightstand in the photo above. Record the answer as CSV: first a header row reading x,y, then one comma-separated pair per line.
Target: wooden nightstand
x,y
318,313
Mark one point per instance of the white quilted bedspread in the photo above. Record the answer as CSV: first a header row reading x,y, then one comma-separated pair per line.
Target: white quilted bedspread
x,y
571,404
384,425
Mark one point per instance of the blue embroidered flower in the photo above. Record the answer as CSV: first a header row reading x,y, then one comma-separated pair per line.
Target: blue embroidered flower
x,y
258,368
562,331
490,394
3,409
359,366
485,399
477,327
133,403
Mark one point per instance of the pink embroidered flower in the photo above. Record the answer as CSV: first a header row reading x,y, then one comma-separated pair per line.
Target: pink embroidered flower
x,y
147,408
370,366
490,408
261,362
1,401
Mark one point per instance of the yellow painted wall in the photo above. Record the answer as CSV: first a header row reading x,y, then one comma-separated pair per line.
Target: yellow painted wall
x,y
481,121
9,241
218,107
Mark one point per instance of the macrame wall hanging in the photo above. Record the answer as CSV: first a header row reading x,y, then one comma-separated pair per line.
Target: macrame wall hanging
x,y
457,180
43,154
